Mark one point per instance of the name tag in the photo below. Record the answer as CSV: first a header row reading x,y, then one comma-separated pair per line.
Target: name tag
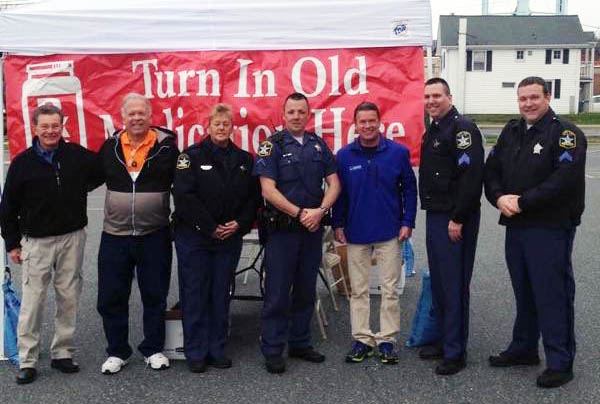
x,y
206,168
352,168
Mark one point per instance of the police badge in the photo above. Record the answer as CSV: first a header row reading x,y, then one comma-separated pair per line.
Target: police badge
x,y
183,162
567,140
265,148
463,140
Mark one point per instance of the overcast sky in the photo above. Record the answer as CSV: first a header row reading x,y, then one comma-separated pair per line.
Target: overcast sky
x,y
588,10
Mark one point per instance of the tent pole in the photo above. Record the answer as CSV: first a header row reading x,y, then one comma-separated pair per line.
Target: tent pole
x,y
2,252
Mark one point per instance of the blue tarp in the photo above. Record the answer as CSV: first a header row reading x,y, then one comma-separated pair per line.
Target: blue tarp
x,y
424,327
12,305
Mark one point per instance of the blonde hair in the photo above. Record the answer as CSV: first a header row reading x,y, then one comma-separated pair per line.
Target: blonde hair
x,y
221,108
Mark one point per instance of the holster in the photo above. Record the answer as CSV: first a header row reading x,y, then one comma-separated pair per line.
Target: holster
x,y
271,219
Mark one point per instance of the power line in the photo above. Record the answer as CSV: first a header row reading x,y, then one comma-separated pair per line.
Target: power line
x,y
590,26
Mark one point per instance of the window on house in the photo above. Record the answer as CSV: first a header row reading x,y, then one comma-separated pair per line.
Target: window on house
x,y
549,87
556,54
529,53
520,55
479,61
506,84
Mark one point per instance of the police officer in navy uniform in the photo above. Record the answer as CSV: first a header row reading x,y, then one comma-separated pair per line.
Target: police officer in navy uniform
x,y
292,165
535,176
450,182
216,198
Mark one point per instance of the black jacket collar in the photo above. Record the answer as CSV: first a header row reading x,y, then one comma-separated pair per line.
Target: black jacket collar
x,y
449,117
543,123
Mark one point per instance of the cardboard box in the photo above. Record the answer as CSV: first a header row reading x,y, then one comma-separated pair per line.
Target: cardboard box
x,y
342,251
173,348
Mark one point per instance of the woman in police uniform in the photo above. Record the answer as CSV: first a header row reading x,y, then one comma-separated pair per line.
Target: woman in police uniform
x,y
216,198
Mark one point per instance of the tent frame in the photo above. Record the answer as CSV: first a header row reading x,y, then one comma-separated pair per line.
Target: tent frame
x,y
2,251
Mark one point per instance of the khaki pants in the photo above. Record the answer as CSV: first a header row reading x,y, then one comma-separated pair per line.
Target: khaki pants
x,y
41,256
389,261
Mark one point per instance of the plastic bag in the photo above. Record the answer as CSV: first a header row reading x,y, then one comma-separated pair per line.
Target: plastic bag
x,y
408,255
425,329
12,305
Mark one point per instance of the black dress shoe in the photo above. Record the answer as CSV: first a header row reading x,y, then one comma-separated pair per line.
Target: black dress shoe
x,y
26,375
275,364
197,366
222,363
450,367
431,352
308,354
65,365
554,378
505,359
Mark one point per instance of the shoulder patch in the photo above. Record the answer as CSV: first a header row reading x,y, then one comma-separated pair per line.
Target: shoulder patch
x,y
183,162
265,149
567,139
463,140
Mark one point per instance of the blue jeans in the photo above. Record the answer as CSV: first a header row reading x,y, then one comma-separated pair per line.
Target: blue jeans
x,y
119,256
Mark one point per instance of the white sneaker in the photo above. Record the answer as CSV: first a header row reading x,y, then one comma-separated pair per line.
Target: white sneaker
x,y
113,365
158,361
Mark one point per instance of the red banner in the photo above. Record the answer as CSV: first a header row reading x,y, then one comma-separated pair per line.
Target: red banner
x,y
183,86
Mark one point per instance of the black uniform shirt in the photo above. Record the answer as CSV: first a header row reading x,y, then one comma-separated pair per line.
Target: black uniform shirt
x,y
451,169
213,186
545,165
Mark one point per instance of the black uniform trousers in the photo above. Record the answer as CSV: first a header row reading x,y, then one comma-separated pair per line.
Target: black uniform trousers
x,y
539,263
451,267
206,270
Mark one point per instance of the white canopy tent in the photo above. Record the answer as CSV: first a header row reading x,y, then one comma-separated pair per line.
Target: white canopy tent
x,y
129,26
135,26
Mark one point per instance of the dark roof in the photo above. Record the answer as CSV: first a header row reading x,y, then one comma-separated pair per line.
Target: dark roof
x,y
591,37
513,30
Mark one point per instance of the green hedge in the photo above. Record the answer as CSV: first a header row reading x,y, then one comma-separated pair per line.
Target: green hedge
x,y
500,119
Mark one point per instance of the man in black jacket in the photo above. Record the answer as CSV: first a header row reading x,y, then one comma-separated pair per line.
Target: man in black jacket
x,y
216,198
535,176
450,182
43,215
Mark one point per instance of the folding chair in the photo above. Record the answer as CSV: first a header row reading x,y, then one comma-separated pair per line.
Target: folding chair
x,y
329,261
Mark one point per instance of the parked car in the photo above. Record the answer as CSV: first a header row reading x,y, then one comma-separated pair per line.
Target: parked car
x,y
595,105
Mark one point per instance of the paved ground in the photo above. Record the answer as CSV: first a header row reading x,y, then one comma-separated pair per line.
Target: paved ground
x,y
412,381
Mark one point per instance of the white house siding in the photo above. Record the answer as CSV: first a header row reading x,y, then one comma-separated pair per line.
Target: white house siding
x,y
450,67
484,93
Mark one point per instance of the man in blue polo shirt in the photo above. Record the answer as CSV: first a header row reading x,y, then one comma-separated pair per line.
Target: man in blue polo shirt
x,y
375,212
